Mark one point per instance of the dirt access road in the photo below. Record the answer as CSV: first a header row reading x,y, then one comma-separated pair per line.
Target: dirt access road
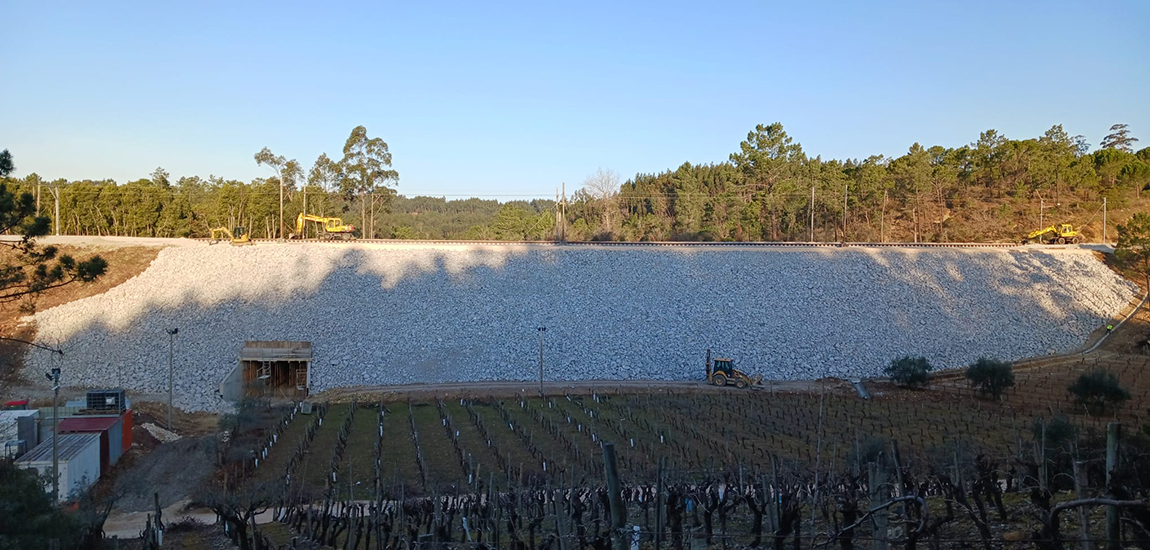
x,y
497,389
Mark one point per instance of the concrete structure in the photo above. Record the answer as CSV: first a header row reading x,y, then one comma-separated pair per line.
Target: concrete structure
x,y
277,369
79,462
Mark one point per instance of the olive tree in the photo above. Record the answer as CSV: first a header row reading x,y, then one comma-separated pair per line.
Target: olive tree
x,y
909,372
990,377
1097,390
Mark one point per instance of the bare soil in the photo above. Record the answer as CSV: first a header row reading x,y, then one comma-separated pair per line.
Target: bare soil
x,y
506,389
124,262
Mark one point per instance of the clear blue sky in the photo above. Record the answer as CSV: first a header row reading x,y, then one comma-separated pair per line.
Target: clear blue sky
x,y
497,99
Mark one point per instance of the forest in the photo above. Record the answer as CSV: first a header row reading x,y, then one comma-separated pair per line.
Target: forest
x,y
993,189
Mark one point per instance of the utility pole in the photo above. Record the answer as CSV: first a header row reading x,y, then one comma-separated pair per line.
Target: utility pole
x,y
1041,209
55,189
541,331
845,194
281,230
811,225
171,344
1104,241
54,376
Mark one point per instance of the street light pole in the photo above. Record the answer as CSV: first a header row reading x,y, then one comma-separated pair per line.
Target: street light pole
x,y
171,344
55,377
541,331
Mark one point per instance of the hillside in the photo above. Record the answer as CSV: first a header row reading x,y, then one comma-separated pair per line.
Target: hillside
x,y
393,314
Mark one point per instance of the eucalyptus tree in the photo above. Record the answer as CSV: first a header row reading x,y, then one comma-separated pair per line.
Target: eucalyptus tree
x,y
325,175
367,169
287,171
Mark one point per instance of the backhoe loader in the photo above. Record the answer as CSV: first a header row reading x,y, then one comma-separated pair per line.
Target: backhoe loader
x,y
330,228
722,372
1061,234
237,236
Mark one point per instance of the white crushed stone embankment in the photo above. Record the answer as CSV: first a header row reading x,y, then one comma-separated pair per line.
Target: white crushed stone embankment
x,y
379,314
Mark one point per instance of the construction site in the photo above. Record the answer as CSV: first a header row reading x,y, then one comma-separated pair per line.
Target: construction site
x,y
401,371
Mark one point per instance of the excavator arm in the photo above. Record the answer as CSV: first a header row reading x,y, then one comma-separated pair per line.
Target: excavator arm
x,y
332,227
1041,232
217,232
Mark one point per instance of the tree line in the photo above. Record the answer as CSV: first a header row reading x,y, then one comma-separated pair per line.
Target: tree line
x,y
993,189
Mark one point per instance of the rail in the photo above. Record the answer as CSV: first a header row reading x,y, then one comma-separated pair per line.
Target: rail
x,y
759,244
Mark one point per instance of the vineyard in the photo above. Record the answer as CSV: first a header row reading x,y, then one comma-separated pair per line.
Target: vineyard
x,y
719,451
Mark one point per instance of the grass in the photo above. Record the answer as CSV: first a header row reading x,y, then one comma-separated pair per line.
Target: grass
x,y
443,468
315,468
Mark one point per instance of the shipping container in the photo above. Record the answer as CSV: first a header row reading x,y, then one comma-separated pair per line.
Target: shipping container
x,y
18,431
126,437
10,422
79,462
110,430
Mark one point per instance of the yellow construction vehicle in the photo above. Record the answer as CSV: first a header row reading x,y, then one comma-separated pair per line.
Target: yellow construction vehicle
x,y
331,228
237,236
722,372
1063,233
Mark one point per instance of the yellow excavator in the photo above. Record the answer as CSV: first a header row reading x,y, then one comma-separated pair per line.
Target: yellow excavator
x,y
1062,233
331,228
237,236
722,372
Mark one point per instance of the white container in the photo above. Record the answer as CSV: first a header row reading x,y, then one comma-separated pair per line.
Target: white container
x,y
9,423
79,463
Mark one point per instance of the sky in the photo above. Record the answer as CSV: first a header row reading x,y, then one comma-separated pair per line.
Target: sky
x,y
511,100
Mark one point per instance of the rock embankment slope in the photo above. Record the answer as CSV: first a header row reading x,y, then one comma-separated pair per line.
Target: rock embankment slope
x,y
405,314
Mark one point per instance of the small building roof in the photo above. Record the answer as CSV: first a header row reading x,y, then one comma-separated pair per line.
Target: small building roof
x,y
71,445
258,350
87,424
11,416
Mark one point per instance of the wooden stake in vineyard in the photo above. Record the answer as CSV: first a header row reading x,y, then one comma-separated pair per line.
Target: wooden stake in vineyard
x,y
614,496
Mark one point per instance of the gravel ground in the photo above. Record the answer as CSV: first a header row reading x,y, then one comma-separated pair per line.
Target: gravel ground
x,y
175,470
381,314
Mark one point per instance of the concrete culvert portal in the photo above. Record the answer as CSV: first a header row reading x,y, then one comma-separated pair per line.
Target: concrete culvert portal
x,y
271,369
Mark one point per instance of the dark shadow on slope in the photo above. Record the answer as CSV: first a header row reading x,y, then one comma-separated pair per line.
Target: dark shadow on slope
x,y
639,314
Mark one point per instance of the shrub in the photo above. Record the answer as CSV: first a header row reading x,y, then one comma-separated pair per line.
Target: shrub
x,y
1096,390
991,377
30,518
910,372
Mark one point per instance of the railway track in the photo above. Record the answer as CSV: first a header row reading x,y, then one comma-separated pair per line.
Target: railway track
x,y
755,244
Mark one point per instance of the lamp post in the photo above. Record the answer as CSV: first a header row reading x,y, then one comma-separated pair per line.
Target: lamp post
x,y
54,376
172,332
541,331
